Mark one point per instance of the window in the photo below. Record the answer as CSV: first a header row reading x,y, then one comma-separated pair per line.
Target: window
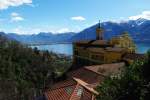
x,y
98,57
76,52
80,91
68,90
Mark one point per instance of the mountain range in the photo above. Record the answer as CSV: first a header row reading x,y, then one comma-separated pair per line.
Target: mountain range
x,y
138,29
41,38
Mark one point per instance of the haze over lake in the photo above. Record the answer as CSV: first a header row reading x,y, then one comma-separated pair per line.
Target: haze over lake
x,y
67,48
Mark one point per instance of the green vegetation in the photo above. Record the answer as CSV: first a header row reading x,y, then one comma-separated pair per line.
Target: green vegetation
x,y
132,84
26,72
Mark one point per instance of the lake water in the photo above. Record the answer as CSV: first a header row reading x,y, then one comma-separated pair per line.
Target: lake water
x,y
67,48
57,48
142,48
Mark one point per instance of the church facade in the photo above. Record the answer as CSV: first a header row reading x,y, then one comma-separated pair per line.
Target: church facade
x,y
100,51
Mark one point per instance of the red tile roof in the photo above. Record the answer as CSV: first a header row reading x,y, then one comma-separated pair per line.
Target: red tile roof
x,y
85,78
68,82
58,91
75,95
86,85
59,94
92,42
86,75
106,69
69,93
86,95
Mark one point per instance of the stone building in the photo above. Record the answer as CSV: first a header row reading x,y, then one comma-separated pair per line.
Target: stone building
x,y
100,51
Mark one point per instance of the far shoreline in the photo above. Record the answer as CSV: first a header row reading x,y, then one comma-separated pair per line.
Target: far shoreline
x,y
39,44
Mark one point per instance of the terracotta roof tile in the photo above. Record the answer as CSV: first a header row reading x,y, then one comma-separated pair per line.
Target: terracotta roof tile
x,y
64,83
106,69
92,42
86,95
82,42
75,95
99,42
85,85
86,75
59,94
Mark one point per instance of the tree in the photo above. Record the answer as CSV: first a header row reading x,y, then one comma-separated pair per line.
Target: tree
x,y
24,72
132,84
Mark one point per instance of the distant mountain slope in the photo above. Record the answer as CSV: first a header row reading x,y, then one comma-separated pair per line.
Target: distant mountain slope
x,y
138,29
2,33
41,38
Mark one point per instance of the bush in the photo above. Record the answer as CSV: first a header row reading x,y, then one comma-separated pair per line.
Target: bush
x,y
132,84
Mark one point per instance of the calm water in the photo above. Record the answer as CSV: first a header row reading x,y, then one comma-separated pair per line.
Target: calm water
x,y
142,48
67,48
57,48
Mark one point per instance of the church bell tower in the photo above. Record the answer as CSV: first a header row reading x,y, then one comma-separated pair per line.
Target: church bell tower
x,y
99,32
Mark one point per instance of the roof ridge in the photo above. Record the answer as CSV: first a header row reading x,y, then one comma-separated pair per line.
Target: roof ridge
x,y
99,73
84,84
95,72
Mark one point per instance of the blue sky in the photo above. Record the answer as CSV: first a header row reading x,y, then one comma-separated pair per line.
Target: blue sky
x,y
33,16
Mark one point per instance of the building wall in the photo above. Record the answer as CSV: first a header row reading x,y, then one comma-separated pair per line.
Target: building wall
x,y
111,57
124,41
84,57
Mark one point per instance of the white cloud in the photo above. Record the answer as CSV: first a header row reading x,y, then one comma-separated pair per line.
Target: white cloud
x,y
15,17
63,30
78,18
144,14
33,5
4,4
18,31
35,30
14,14
28,31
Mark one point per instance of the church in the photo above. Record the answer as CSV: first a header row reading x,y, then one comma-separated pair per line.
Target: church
x,y
93,61
100,51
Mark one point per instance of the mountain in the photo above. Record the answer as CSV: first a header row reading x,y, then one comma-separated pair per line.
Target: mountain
x,y
41,38
138,29
2,33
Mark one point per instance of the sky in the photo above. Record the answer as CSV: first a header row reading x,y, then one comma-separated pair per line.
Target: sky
x,y
58,16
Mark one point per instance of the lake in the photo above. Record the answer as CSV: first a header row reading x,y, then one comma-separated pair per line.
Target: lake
x,y
67,48
57,48
142,48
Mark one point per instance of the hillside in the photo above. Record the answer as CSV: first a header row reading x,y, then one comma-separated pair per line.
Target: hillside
x,y
41,38
26,72
138,29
